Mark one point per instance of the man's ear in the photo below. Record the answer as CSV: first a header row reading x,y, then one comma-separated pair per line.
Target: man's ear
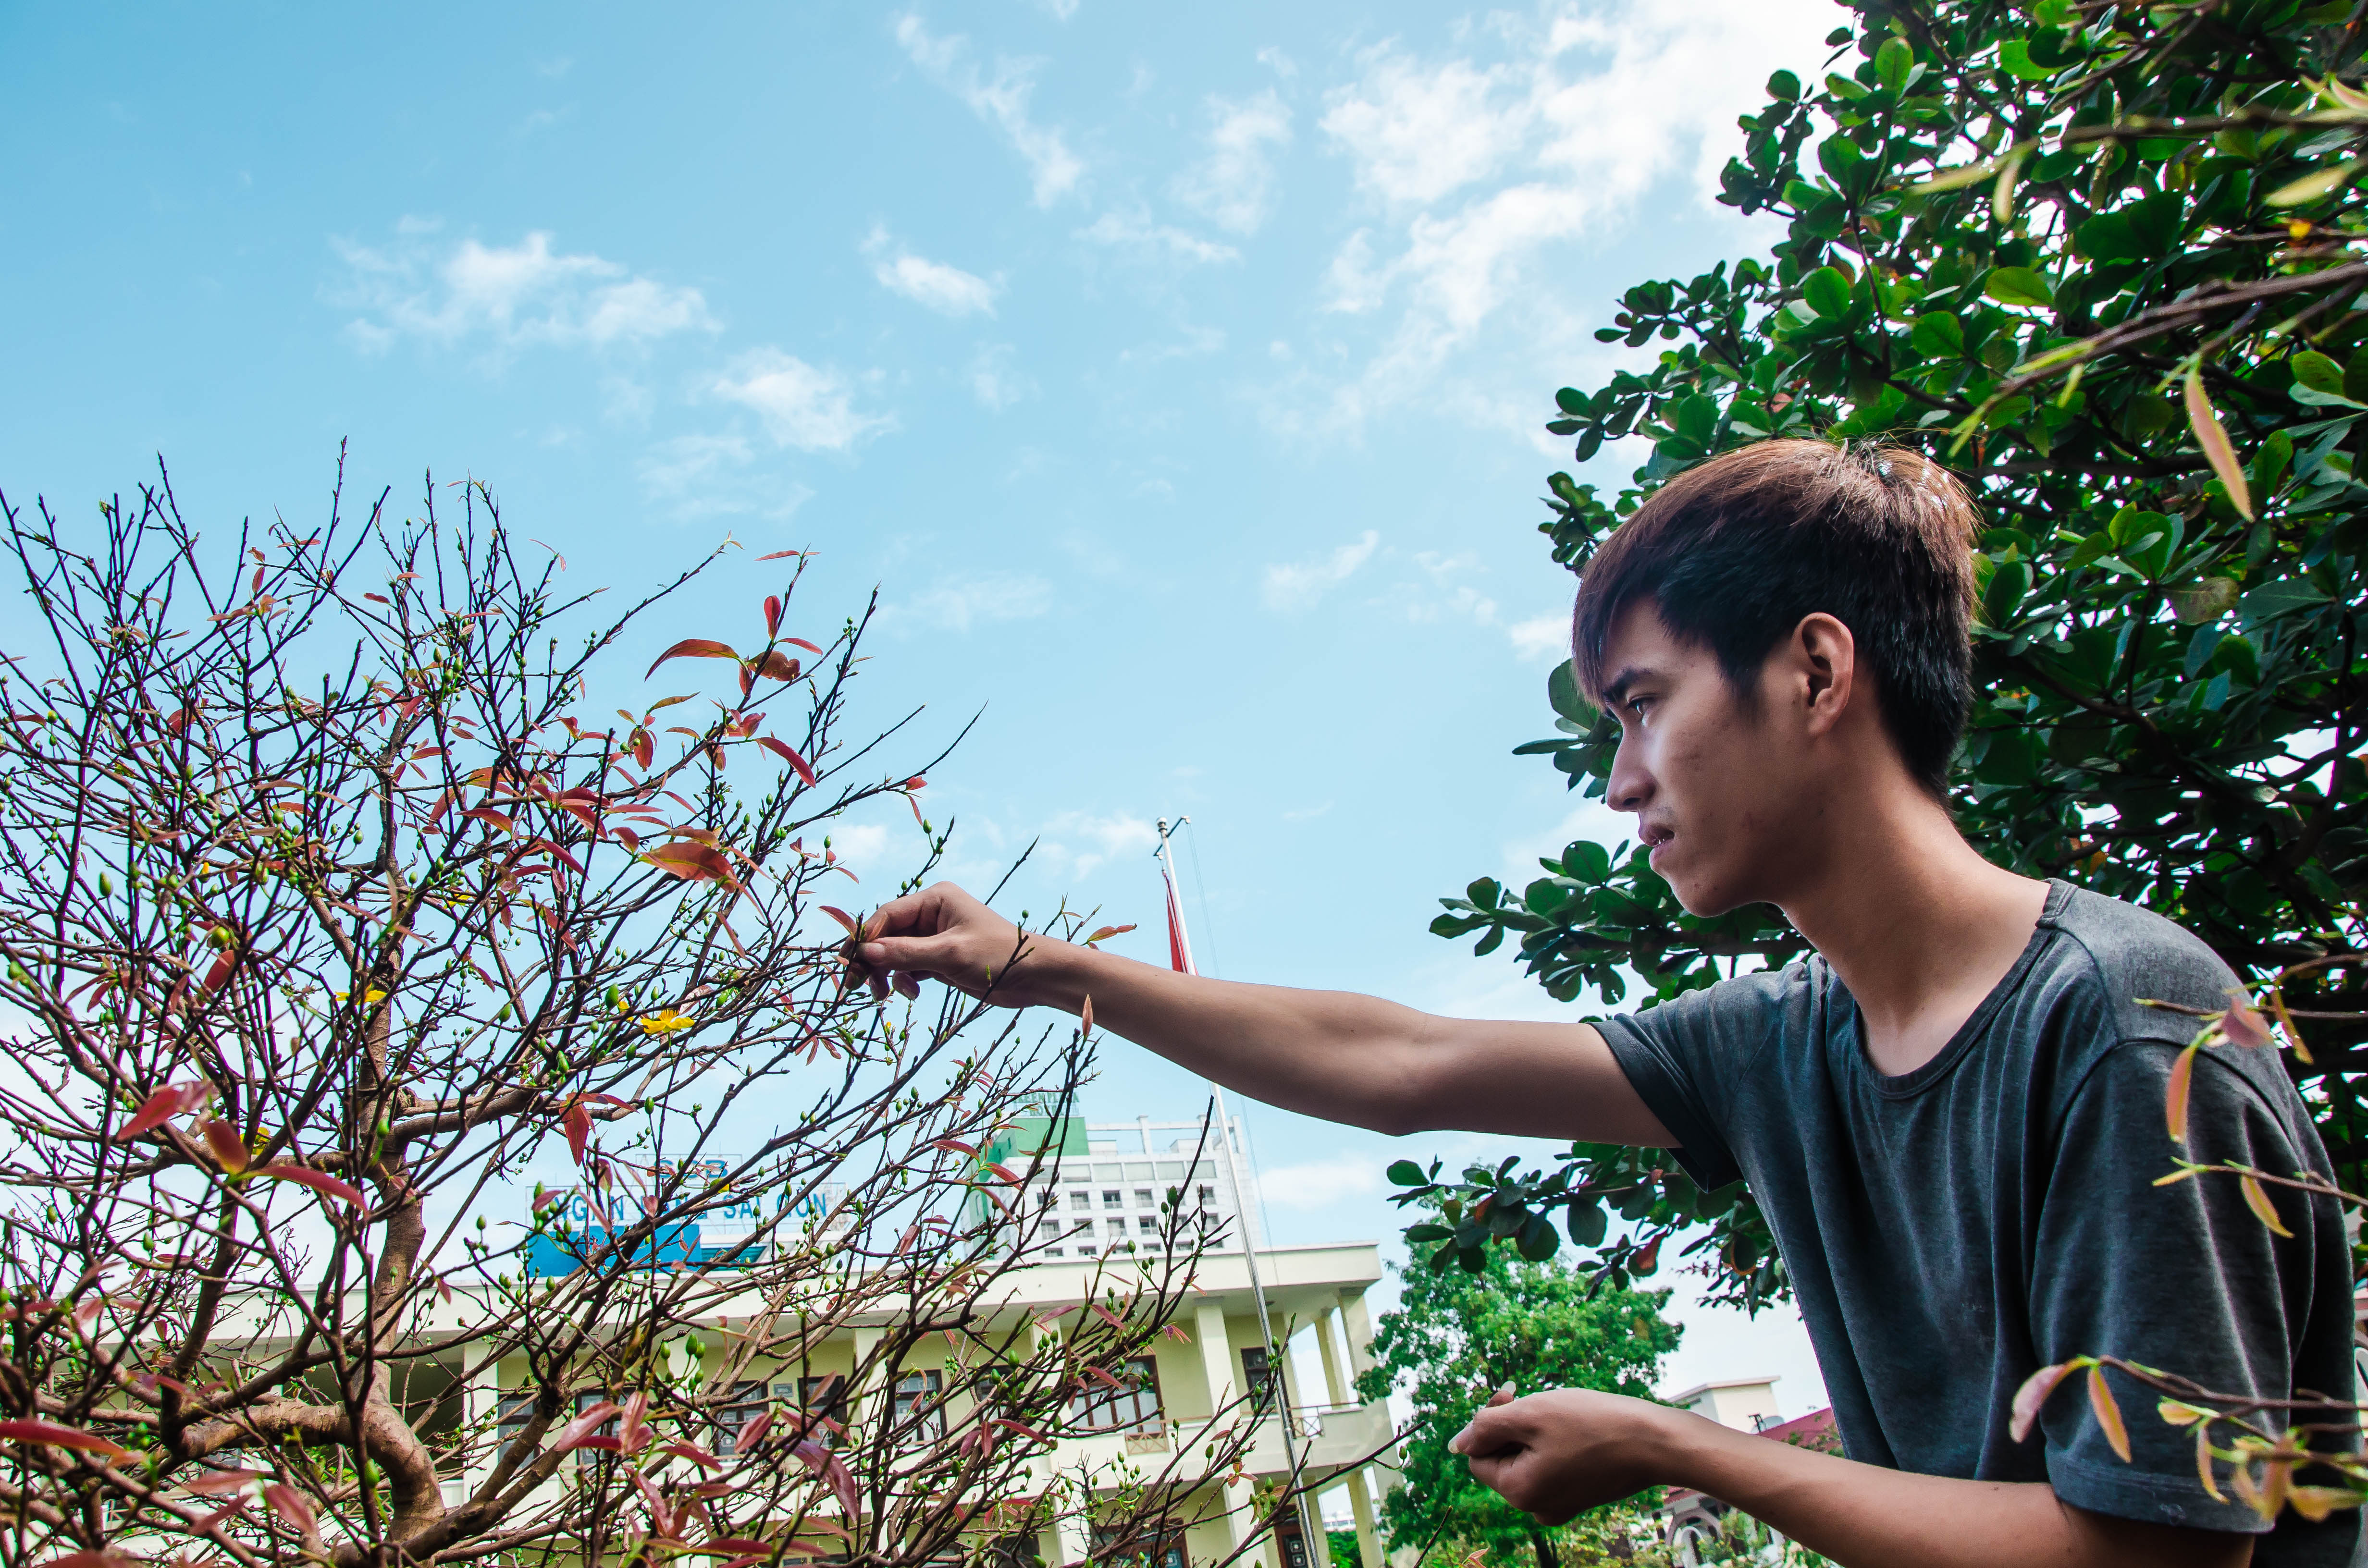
x,y
1827,658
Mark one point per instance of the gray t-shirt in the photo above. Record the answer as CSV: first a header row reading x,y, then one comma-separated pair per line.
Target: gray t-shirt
x,y
1951,1230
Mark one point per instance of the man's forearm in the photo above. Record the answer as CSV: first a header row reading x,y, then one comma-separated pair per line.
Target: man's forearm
x,y
1863,1516
1328,1053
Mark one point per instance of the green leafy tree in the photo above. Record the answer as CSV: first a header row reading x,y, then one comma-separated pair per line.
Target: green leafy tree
x,y
1456,1337
2103,260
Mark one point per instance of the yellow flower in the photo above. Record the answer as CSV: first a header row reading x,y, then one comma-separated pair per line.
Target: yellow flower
x,y
665,1021
370,998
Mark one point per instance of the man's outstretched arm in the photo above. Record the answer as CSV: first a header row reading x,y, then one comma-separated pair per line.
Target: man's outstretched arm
x,y
1328,1053
1556,1454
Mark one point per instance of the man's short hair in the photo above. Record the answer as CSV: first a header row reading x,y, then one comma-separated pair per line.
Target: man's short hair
x,y
1735,552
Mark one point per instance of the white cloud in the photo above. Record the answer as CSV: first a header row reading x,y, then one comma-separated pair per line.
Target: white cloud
x,y
512,296
801,405
994,381
934,284
1319,1184
1077,842
1134,232
1234,185
1000,99
715,475
957,604
1298,585
1528,134
1540,635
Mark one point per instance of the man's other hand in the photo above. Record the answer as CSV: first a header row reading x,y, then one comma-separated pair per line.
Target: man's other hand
x,y
1558,1454
943,933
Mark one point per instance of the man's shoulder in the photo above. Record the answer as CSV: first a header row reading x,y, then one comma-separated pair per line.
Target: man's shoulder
x,y
2123,958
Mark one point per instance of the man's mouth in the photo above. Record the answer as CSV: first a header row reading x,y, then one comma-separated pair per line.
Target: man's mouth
x,y
1655,837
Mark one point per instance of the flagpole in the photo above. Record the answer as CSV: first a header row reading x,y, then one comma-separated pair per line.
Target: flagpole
x,y
1180,958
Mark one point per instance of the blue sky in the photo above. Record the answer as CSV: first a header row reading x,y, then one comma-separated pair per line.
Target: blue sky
x,y
1177,374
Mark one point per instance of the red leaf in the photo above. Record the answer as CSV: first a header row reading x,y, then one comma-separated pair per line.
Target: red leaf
x,y
229,1149
691,862
643,748
754,1433
955,1147
52,1435
628,838
805,769
916,782
578,1433
777,666
319,1181
772,614
487,814
285,1503
2243,1025
1023,1431
2109,1414
1006,1172
1107,932
801,643
843,917
2031,1395
218,975
633,1431
100,1559
171,1100
380,597
256,586
693,648
780,555
578,1123
2182,1079
695,1454
222,1483
1086,1020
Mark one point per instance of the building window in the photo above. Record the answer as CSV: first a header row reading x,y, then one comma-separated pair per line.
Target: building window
x,y
917,1411
1208,1196
1113,1200
1133,1407
1147,1223
748,1403
1259,1377
816,1401
1055,1252
515,1410
1158,1545
1081,1199
608,1428
1142,1198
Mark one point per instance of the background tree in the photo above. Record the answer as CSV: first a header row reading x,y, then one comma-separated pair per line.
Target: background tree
x,y
1457,1337
327,904
2103,260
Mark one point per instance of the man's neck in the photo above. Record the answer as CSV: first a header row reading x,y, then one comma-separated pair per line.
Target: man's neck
x,y
1917,923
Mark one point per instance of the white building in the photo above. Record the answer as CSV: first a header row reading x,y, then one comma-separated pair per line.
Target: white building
x,y
1102,1186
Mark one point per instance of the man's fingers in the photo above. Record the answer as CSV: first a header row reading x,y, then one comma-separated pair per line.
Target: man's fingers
x,y
913,955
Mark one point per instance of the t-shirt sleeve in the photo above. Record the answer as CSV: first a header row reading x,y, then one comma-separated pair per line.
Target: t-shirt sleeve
x,y
1682,1057
2185,1279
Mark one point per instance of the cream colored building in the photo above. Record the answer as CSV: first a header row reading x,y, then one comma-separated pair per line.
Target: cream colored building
x,y
1340,1442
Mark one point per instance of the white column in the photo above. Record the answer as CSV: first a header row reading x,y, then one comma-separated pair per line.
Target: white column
x,y
1334,1383
1217,1371
1360,1503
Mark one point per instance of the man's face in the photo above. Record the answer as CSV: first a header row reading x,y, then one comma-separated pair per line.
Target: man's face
x,y
1718,788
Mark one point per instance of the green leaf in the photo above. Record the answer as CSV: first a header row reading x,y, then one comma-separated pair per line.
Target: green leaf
x,y
2311,187
2019,285
1939,337
2014,54
2282,597
1571,400
1561,695
1588,1223
1893,62
1537,1241
2317,371
1785,86
1406,1173
1826,291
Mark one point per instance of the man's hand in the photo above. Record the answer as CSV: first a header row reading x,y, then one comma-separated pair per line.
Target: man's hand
x,y
943,933
1557,1455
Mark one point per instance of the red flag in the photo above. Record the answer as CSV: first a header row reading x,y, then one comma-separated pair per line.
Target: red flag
x,y
1180,946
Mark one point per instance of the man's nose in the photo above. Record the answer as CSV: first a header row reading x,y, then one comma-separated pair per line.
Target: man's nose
x,y
1631,784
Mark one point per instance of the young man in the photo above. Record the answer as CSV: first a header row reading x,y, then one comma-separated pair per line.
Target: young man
x,y
1953,1115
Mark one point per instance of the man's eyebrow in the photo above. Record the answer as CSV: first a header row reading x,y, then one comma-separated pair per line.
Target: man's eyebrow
x,y
1615,690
